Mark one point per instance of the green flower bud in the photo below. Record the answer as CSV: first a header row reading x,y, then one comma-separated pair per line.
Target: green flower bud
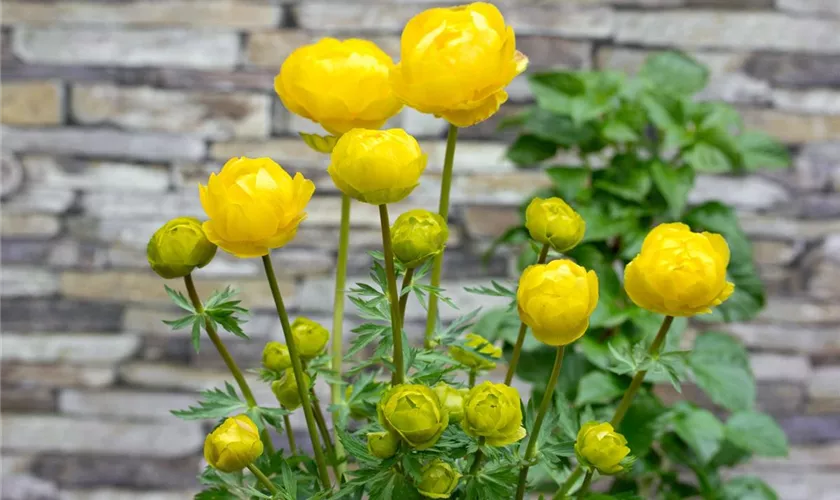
x,y
178,247
469,357
286,389
276,357
413,412
599,446
552,221
438,479
452,399
417,235
310,337
493,411
382,444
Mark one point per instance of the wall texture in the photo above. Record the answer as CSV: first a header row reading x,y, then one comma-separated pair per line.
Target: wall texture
x,y
113,110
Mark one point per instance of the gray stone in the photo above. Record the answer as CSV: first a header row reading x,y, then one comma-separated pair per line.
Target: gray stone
x,y
116,494
780,367
824,281
823,386
68,348
789,338
796,70
807,429
120,206
767,226
489,222
352,17
200,49
125,405
148,321
12,175
749,193
24,252
15,464
731,4
38,199
798,310
104,143
816,164
69,253
777,253
39,226
819,206
27,399
820,456
551,52
48,171
52,375
423,124
780,398
818,101
24,487
48,315
572,22
810,6
27,282
43,433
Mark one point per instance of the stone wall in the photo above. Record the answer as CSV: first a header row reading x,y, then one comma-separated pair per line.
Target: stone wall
x,y
113,110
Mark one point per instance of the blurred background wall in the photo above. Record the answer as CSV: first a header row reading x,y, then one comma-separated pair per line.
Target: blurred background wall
x,y
113,111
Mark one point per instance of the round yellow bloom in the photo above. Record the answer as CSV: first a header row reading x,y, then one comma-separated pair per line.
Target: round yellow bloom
x,y
276,356
599,446
553,222
418,235
382,444
377,167
339,84
310,337
413,412
678,272
471,358
254,206
456,62
452,400
556,300
178,247
233,445
492,411
286,389
438,479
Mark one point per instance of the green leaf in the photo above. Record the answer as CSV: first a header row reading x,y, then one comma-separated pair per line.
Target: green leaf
x,y
530,150
707,158
640,424
748,488
558,129
701,431
757,433
195,334
762,151
553,91
627,178
214,404
617,131
673,184
179,299
599,387
602,224
720,365
217,493
568,181
674,72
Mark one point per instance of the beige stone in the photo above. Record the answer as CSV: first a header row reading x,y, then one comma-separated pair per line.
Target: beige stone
x,y
128,405
30,225
31,103
794,128
49,171
55,375
68,348
489,221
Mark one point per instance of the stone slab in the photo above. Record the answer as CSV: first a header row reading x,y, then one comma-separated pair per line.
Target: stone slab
x,y
32,103
68,348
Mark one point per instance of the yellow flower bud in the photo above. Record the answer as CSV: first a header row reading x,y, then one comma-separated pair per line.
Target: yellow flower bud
x,y
414,413
553,222
286,389
310,337
452,400
469,357
339,84
254,206
438,479
417,235
276,357
233,445
556,300
178,247
377,167
679,272
382,444
492,411
599,446
456,62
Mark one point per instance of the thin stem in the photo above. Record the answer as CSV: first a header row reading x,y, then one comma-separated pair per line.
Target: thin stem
x,y
587,481
472,378
443,210
479,455
531,450
394,298
263,479
297,368
325,433
336,390
407,277
290,434
570,481
523,328
226,357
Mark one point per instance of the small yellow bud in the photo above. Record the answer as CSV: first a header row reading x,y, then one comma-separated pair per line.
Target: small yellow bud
x,y
276,357
413,412
438,479
233,445
469,356
452,400
382,444
599,446
493,411
417,235
286,389
178,247
310,337
553,222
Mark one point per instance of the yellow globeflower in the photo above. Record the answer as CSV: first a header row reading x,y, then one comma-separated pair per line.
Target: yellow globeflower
x,y
456,62
556,300
310,337
286,389
438,479
472,357
678,272
553,222
418,235
493,411
233,445
275,356
377,167
382,444
452,400
339,84
253,206
178,247
599,446
415,413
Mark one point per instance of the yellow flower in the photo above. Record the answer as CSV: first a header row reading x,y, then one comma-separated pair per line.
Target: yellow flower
x,y
417,235
382,444
254,206
377,167
233,445
599,446
178,247
438,479
492,411
286,389
413,412
276,357
553,222
678,272
340,84
556,300
470,358
456,62
452,400
310,337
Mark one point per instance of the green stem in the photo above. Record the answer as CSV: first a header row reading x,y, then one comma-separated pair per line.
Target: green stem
x,y
531,450
570,481
523,328
587,481
472,378
325,433
394,298
336,390
443,210
479,455
297,368
263,479
407,277
226,357
290,434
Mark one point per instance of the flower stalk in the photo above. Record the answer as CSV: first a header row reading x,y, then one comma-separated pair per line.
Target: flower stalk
x,y
287,423
393,296
523,328
263,479
336,390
